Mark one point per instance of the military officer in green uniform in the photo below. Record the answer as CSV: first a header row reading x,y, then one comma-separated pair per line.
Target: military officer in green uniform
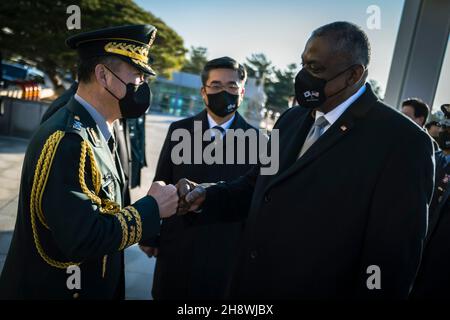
x,y
71,225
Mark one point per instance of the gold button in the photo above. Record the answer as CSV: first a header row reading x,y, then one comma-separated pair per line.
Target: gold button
x,y
76,295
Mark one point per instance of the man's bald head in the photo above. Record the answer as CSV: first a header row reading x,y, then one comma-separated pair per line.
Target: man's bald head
x,y
347,40
338,53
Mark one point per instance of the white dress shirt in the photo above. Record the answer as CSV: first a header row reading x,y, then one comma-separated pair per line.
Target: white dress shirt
x,y
225,125
334,114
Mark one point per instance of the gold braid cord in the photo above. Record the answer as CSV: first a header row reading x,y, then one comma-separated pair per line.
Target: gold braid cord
x,y
105,206
40,180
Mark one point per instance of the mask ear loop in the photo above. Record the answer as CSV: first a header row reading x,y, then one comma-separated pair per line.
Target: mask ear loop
x,y
204,100
110,92
339,91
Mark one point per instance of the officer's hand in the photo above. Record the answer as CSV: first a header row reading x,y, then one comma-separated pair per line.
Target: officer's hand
x,y
166,197
191,196
149,251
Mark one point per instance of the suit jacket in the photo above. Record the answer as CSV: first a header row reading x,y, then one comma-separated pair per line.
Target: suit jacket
x,y
138,155
122,136
196,261
69,184
357,198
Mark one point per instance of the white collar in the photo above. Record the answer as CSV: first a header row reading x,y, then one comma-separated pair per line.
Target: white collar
x,y
334,114
105,128
225,125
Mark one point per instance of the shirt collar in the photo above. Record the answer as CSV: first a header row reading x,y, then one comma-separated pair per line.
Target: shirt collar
x,y
334,114
225,125
105,128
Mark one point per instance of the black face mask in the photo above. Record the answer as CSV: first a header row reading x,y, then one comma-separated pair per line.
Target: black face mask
x,y
310,90
136,101
222,103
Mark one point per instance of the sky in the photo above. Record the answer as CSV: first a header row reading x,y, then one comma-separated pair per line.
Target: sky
x,y
278,28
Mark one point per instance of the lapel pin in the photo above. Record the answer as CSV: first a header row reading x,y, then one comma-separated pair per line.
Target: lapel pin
x,y
343,128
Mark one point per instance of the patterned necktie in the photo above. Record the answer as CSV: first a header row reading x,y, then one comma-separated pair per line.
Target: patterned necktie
x,y
314,134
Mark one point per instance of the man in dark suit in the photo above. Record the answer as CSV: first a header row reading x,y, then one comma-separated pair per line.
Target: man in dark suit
x,y
346,214
196,261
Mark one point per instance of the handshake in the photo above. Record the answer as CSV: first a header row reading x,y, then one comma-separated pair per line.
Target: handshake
x,y
180,199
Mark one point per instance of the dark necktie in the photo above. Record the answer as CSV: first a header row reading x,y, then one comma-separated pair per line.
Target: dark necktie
x,y
222,132
112,146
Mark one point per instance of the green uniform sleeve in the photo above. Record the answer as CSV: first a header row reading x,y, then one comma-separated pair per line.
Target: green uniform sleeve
x,y
79,227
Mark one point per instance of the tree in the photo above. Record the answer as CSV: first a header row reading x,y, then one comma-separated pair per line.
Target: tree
x,y
39,32
278,84
376,88
198,57
258,66
281,88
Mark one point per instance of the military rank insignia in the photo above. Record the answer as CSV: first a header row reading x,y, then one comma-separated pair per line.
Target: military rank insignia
x,y
112,191
76,123
94,137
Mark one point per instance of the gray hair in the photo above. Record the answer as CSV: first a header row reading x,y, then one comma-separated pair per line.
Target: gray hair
x,y
351,40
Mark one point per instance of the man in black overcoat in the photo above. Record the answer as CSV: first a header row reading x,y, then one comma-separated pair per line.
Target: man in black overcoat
x,y
346,214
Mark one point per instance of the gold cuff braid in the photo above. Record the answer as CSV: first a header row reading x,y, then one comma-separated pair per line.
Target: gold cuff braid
x,y
137,218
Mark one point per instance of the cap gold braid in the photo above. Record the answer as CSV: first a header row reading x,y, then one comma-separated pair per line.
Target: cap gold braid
x,y
132,51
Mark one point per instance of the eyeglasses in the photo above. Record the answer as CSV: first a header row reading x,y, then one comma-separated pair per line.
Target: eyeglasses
x,y
231,88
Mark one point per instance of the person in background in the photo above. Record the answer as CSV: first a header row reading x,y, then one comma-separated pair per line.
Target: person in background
x,y
416,110
433,279
195,262
433,128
